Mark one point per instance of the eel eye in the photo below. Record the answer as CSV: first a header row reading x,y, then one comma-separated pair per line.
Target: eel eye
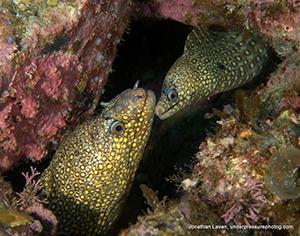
x,y
172,95
117,128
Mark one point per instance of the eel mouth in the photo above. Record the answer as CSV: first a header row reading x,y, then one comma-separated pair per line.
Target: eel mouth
x,y
164,114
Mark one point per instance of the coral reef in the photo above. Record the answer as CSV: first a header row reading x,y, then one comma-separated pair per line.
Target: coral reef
x,y
55,58
178,219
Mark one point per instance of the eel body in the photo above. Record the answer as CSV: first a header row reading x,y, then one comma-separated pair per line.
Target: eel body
x,y
212,62
90,176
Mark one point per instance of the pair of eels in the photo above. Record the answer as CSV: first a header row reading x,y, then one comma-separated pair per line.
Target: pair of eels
x,y
92,172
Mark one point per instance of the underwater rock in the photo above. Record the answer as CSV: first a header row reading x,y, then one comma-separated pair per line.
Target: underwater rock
x,y
6,46
14,223
174,218
54,71
10,217
274,18
283,47
34,105
283,87
282,173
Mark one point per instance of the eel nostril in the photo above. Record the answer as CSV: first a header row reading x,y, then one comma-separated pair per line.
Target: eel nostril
x,y
136,98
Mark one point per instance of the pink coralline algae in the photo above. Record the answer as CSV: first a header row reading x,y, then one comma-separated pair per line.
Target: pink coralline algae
x,y
31,203
249,198
275,18
54,71
228,183
177,10
29,194
32,104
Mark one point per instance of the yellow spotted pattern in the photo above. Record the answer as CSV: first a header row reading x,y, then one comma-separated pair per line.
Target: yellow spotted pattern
x,y
92,172
212,62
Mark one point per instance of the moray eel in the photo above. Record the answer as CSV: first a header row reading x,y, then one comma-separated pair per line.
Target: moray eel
x,y
90,176
212,62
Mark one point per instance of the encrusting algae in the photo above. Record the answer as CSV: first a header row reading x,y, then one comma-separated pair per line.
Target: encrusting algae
x,y
10,217
92,172
212,62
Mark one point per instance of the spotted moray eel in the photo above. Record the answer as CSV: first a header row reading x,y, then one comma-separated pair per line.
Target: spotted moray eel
x,y
90,176
212,62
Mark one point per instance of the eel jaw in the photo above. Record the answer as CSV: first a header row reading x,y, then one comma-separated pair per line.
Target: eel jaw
x,y
163,112
165,109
